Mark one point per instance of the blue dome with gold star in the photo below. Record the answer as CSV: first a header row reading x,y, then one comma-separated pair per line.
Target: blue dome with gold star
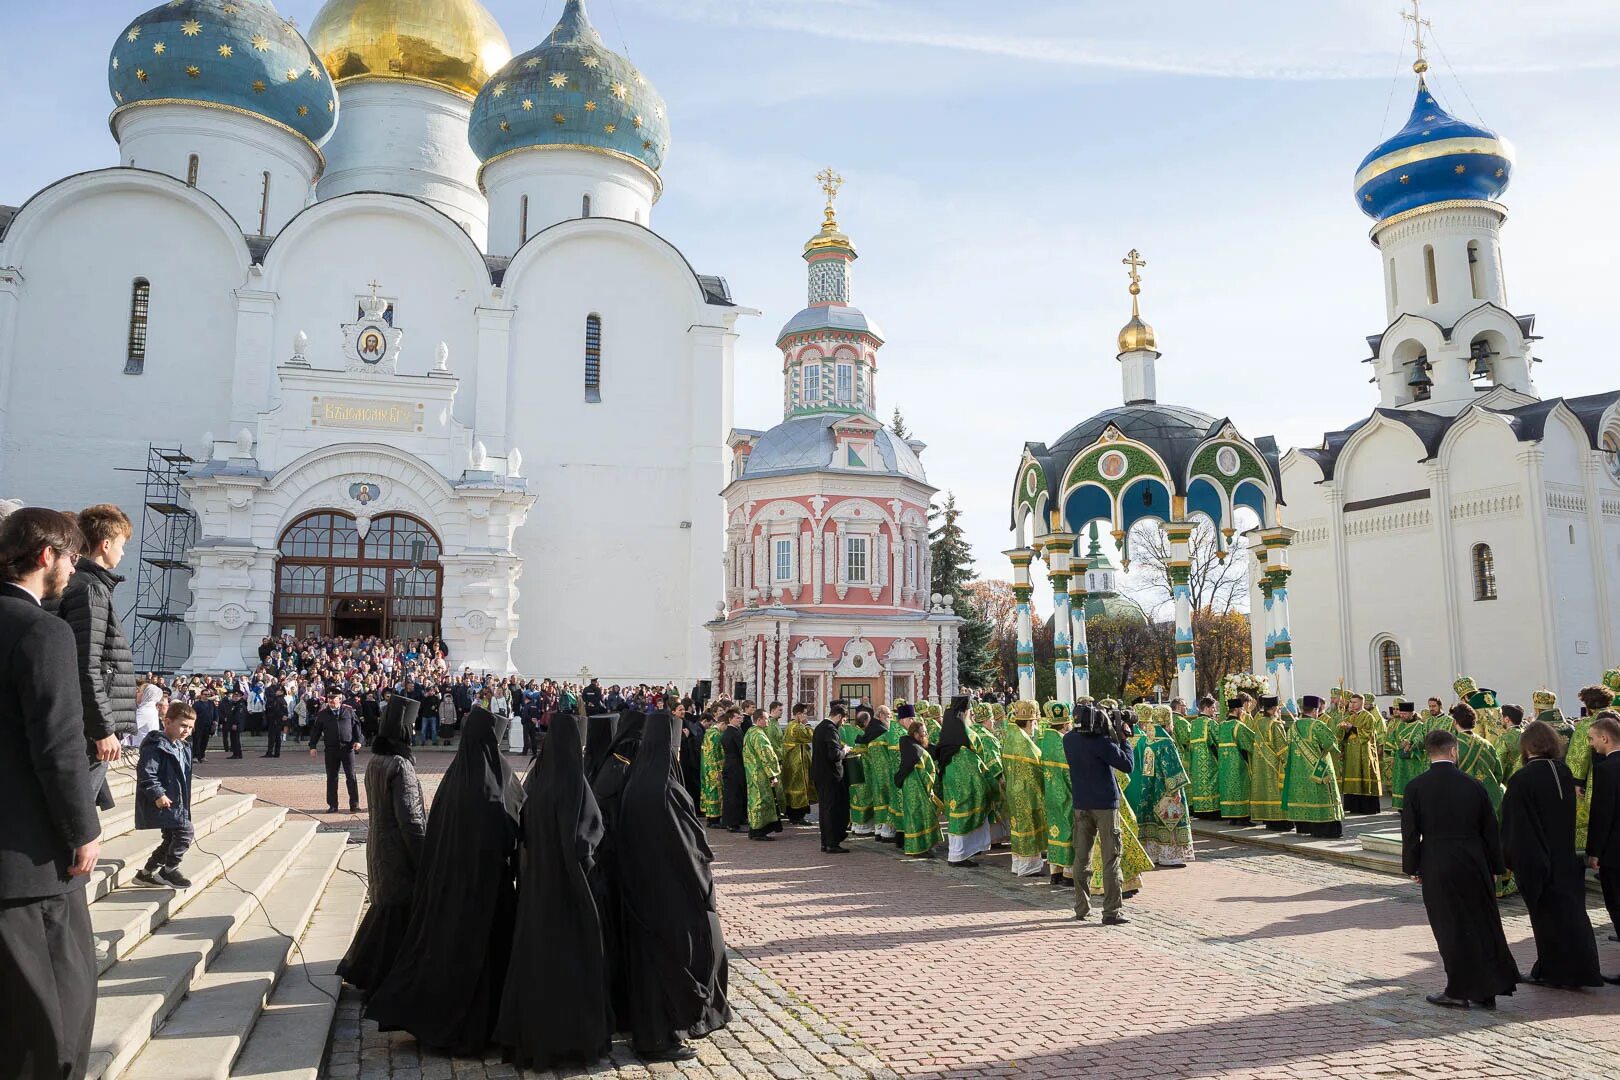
x,y
239,55
570,92
1434,158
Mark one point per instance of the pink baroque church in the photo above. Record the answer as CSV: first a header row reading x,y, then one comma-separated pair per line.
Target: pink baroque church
x,y
827,566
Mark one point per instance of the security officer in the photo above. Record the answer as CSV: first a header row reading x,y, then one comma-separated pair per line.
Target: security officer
x,y
336,723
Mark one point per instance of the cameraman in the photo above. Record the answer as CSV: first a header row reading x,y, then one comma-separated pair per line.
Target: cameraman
x,y
1094,748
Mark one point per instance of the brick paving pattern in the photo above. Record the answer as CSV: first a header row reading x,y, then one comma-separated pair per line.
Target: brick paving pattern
x,y
1249,963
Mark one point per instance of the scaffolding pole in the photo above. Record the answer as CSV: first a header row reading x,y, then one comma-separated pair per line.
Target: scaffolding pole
x,y
160,640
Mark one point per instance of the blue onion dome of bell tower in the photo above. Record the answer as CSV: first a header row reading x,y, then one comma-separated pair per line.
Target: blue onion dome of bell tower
x,y
570,92
237,55
1434,158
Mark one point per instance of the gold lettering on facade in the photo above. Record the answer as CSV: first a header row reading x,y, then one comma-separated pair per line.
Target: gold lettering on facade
x,y
361,413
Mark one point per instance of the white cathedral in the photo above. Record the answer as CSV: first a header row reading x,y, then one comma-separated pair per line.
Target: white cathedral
x,y
1468,525
395,297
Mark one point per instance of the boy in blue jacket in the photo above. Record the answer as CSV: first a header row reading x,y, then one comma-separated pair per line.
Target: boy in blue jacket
x,y
163,796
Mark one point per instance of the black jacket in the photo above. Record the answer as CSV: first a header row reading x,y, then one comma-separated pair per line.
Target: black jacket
x,y
1603,834
164,772
49,809
339,728
826,755
207,710
106,666
1092,760
1447,811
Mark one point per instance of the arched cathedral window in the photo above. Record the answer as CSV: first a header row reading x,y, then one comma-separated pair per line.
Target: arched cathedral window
x,y
191,171
585,206
1389,667
139,301
1430,277
593,358
1484,573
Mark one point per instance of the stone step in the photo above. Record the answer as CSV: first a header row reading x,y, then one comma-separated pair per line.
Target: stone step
x,y
289,1041
135,996
121,818
206,1032
121,781
123,855
123,919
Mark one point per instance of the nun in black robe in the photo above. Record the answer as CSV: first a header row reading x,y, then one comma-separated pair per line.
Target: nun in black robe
x,y
733,779
393,847
445,986
1538,845
674,954
608,786
555,1006
598,742
692,756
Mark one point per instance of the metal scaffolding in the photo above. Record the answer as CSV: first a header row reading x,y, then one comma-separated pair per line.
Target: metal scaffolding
x,y
160,640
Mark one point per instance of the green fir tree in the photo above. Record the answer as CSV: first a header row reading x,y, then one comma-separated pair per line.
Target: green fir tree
x,y
952,571
898,426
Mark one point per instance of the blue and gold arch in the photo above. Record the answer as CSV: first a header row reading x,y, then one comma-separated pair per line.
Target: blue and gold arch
x,y
236,55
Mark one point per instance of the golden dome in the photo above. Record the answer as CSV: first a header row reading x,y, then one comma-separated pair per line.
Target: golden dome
x,y
452,44
1137,335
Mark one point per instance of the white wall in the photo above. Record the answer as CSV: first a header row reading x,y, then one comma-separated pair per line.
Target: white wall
x,y
555,181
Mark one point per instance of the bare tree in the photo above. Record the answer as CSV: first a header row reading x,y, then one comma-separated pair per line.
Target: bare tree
x,y
1216,583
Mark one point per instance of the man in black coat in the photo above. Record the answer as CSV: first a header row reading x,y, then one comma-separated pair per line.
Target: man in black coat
x,y
1094,749
832,787
1603,834
1451,846
336,724
106,667
232,715
207,710
51,837
733,781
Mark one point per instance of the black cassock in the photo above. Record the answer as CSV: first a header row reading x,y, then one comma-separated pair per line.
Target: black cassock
x,y
445,987
608,787
1449,836
555,1006
733,780
598,742
1538,842
692,758
674,954
832,788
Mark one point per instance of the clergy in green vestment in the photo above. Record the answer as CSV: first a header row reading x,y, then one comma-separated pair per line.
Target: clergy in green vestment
x,y
899,723
1361,734
1409,757
986,744
1268,762
965,788
1133,859
1157,791
914,791
1477,757
712,755
774,728
797,791
1234,741
1023,790
1198,753
932,717
869,751
1509,755
763,770
1058,793
1310,781
1578,757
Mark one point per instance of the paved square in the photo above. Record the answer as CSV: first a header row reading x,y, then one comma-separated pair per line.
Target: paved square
x,y
1249,963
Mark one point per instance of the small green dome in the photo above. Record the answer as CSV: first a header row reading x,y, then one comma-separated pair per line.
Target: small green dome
x,y
570,91
239,55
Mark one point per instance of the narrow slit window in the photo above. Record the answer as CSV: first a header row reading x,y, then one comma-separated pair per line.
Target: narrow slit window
x,y
1476,270
1484,573
191,171
523,220
1389,667
139,304
264,206
1429,274
593,358
584,206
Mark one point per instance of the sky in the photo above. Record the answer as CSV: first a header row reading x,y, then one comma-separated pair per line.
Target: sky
x,y
1001,158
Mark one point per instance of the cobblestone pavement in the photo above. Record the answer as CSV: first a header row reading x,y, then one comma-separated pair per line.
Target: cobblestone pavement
x,y
1249,963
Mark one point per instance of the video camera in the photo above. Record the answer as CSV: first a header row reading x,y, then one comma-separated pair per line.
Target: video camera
x,y
1095,720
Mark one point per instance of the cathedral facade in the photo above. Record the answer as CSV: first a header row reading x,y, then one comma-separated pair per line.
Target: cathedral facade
x,y
827,561
394,295
1468,525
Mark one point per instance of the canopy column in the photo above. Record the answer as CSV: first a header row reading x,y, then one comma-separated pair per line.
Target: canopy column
x,y
1021,558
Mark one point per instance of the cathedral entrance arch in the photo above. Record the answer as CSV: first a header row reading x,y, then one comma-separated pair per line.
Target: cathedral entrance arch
x,y
339,576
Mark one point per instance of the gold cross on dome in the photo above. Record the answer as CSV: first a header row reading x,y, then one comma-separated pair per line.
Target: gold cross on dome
x,y
1135,261
830,183
1419,24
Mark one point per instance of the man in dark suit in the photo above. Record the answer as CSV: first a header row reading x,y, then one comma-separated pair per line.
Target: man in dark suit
x,y
232,715
336,724
832,787
51,838
207,720
1450,845
1603,834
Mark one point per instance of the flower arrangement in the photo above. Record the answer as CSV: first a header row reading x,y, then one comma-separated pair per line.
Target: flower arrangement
x,y
1256,686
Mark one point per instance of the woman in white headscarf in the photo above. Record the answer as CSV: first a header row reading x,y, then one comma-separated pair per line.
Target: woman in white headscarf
x,y
146,709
